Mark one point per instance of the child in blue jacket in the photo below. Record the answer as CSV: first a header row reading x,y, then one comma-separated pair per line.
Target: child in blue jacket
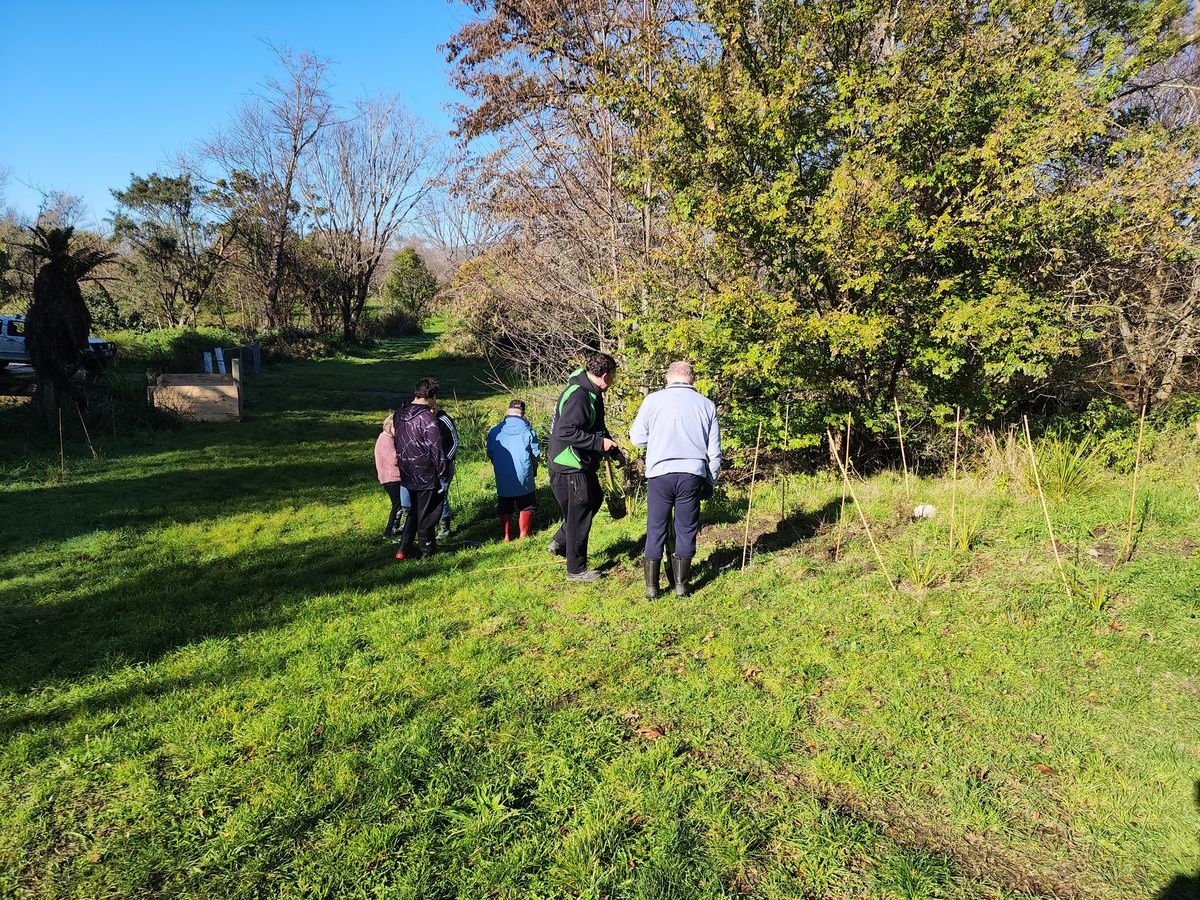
x,y
512,446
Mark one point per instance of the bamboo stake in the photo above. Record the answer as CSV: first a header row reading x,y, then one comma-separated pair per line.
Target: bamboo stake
x,y
1045,509
954,474
1127,550
863,518
86,436
837,547
903,456
750,500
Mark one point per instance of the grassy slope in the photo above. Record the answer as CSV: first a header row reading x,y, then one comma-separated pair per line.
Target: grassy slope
x,y
214,681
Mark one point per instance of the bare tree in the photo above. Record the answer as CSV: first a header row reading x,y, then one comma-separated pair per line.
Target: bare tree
x,y
365,181
261,155
458,227
60,209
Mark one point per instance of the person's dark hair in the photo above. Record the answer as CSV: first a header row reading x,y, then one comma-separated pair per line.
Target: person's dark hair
x,y
600,364
426,389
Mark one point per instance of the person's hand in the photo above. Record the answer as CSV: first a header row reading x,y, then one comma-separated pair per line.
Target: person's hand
x,y
609,445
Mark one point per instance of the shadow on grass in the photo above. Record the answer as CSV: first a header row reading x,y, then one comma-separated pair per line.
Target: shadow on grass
x,y
62,512
174,602
1184,887
800,526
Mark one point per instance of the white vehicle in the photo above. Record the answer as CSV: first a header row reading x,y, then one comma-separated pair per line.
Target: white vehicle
x,y
96,356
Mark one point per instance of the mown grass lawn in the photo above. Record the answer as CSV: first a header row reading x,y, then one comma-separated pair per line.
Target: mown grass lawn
x,y
216,682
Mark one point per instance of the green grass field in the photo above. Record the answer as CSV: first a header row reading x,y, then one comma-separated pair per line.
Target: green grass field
x,y
215,681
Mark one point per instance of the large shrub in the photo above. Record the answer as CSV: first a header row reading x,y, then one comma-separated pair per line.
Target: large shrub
x,y
171,349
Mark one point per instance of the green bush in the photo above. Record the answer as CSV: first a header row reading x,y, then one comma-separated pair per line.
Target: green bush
x,y
390,321
301,343
171,349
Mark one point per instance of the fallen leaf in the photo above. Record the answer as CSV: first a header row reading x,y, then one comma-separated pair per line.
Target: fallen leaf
x,y
1036,738
94,857
982,774
708,637
1116,626
651,732
631,715
1044,769
83,557
751,672
667,640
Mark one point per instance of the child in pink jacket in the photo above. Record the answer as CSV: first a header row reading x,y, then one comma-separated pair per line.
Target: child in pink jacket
x,y
388,473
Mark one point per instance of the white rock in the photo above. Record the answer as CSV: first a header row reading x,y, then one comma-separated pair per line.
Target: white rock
x,y
925,511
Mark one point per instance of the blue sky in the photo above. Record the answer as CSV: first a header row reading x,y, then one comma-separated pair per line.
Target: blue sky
x,y
92,91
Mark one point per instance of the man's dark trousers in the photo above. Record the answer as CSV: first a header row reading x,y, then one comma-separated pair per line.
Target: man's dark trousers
x,y
426,511
681,492
579,496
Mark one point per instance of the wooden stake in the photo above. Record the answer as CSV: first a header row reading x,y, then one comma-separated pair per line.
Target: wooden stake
x,y
903,457
1127,550
750,500
1045,509
837,547
863,518
954,473
86,436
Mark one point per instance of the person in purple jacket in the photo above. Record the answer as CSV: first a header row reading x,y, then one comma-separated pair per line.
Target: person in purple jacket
x,y
424,467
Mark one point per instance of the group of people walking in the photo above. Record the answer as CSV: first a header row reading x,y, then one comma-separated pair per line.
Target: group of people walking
x,y
677,426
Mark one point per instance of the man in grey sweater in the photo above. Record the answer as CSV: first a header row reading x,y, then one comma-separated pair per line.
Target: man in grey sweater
x,y
678,427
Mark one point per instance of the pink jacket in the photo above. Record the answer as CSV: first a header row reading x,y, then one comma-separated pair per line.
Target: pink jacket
x,y
385,459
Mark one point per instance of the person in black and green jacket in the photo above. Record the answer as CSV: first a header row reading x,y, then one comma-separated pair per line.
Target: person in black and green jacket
x,y
578,441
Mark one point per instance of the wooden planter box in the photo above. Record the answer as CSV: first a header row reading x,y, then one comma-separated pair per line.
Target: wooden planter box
x,y
199,398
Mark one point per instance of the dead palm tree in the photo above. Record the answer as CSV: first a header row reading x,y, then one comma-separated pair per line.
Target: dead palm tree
x,y
57,326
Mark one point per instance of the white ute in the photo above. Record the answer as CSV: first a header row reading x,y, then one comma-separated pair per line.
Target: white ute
x,y
12,346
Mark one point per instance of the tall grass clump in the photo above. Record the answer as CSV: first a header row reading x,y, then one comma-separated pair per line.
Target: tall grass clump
x,y
1068,468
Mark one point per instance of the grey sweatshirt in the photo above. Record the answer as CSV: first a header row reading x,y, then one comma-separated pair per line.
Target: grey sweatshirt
x,y
678,427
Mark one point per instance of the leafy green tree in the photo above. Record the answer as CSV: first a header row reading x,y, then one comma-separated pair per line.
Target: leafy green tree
x,y
58,322
871,199
410,285
178,250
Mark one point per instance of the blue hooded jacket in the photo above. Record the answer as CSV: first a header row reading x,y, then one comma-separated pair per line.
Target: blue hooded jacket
x,y
512,446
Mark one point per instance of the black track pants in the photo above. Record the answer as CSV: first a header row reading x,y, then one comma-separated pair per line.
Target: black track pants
x,y
579,497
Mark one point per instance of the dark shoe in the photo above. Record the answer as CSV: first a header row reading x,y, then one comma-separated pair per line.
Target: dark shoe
x,y
396,528
652,568
556,548
587,576
428,545
681,569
